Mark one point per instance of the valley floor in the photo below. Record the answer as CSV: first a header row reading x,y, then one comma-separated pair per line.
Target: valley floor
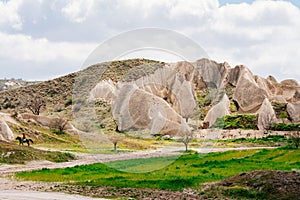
x,y
21,190
83,159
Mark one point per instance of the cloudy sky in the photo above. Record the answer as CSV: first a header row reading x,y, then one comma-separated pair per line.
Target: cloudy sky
x,y
43,39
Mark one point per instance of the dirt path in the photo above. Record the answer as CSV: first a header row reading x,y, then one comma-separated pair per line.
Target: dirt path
x,y
18,190
34,195
84,159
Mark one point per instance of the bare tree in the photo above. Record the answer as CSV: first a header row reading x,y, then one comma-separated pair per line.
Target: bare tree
x,y
115,138
186,136
35,104
59,124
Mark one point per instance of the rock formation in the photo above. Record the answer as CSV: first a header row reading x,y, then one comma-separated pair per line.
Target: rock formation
x,y
293,110
248,94
266,115
5,132
219,110
163,99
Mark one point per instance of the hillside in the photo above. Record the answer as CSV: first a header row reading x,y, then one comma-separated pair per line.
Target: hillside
x,y
7,84
160,98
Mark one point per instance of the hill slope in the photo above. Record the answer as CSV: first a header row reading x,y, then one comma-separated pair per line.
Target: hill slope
x,y
164,98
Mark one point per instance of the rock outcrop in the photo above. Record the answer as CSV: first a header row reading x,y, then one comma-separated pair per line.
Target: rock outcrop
x,y
293,110
247,94
266,116
219,110
103,90
137,108
163,99
5,132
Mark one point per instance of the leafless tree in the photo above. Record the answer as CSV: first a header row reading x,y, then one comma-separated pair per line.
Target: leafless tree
x,y
59,124
35,104
186,137
115,138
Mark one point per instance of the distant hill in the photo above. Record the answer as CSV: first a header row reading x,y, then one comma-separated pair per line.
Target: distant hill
x,y
6,84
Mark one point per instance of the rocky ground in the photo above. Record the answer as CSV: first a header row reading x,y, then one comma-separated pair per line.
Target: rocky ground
x,y
263,184
260,184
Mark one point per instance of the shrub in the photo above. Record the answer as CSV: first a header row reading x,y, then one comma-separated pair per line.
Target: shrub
x,y
280,109
285,127
242,121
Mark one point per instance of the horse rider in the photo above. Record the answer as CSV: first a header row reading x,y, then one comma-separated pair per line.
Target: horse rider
x,y
24,137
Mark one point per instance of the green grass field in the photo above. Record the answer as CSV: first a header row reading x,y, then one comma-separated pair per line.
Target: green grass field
x,y
188,171
14,154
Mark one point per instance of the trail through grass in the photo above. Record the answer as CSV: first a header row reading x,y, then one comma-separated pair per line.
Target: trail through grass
x,y
189,170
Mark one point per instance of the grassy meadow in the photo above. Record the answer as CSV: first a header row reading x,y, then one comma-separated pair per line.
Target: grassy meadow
x,y
15,154
187,171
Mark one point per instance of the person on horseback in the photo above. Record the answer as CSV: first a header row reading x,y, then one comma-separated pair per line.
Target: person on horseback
x,y
24,137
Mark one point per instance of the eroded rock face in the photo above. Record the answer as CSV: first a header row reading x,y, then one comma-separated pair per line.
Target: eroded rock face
x,y
293,110
5,132
248,94
219,110
171,86
266,115
137,108
103,90
164,99
289,91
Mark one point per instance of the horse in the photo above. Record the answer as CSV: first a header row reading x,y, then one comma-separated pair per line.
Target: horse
x,y
22,141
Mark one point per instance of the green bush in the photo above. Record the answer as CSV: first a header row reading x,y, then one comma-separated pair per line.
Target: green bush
x,y
239,121
280,109
58,132
285,127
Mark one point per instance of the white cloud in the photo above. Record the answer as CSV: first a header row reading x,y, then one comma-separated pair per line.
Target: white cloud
x,y
78,10
256,21
193,8
23,56
24,48
263,35
9,14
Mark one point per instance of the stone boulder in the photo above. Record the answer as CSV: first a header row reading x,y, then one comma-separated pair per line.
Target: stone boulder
x,y
266,85
135,108
5,132
278,98
289,89
266,115
248,93
293,110
171,86
219,110
289,82
104,90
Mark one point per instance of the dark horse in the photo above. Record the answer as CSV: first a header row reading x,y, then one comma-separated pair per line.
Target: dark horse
x,y
22,141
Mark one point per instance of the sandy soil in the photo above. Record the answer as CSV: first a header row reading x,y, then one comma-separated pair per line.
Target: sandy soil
x,y
34,195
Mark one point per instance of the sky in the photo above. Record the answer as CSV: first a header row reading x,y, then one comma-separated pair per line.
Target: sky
x,y
43,39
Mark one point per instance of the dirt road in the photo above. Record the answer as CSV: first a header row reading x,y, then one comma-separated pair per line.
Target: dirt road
x,y
15,190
